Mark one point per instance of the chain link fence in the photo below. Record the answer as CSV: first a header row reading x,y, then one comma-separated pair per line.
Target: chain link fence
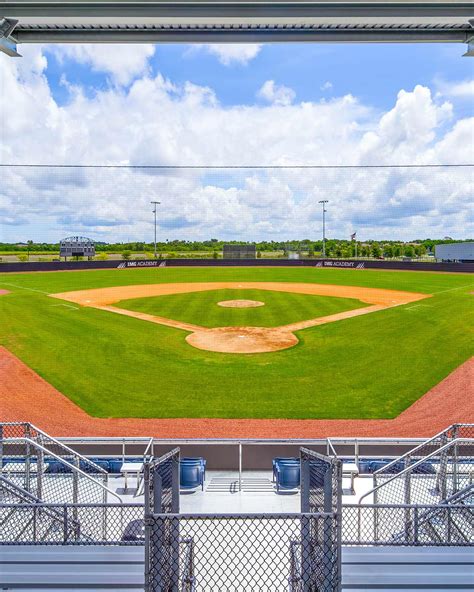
x,y
265,552
161,477
49,470
404,525
71,524
434,478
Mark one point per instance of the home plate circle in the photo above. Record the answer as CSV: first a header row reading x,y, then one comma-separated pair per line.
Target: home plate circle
x,y
240,303
242,340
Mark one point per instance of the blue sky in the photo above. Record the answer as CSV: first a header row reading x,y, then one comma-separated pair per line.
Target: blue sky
x,y
373,73
270,104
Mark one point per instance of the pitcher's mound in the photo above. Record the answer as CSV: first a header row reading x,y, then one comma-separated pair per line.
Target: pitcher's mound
x,y
242,340
240,303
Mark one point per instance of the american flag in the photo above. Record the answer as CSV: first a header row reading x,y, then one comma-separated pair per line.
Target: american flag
x,y
353,236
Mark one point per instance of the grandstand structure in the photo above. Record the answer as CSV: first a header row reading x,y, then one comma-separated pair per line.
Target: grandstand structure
x,y
197,21
363,514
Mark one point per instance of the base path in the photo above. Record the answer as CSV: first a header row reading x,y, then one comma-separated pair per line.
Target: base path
x,y
25,396
241,340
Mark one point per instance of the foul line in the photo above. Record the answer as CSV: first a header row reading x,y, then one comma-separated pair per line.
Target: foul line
x,y
23,288
67,306
452,289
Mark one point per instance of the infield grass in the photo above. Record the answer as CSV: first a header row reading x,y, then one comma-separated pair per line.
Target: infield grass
x,y
371,366
202,308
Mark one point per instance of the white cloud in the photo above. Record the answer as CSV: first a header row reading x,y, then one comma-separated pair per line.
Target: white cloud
x,y
122,62
156,121
326,86
277,94
457,90
229,54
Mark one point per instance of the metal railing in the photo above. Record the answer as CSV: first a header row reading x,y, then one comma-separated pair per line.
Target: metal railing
x,y
408,525
71,524
27,430
460,430
42,522
431,479
74,486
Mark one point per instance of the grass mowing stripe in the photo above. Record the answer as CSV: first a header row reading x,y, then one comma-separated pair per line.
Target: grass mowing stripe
x,y
201,308
372,366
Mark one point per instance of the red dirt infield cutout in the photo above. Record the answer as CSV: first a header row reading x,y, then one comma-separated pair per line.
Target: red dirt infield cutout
x,y
3,292
25,396
241,340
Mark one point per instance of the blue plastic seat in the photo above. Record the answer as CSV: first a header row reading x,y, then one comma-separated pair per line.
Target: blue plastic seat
x,y
191,475
287,476
193,460
283,460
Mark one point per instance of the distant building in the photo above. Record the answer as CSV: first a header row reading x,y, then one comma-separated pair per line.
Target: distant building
x,y
462,252
76,246
240,252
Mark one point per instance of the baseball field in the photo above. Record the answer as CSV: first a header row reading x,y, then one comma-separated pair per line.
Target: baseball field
x,y
289,343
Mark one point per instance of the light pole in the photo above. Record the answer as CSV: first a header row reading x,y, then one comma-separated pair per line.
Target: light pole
x,y
155,203
323,202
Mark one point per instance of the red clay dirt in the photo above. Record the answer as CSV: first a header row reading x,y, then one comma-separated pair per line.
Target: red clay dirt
x,y
25,396
3,292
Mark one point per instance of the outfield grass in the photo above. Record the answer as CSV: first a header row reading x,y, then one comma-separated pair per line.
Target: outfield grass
x,y
201,308
372,366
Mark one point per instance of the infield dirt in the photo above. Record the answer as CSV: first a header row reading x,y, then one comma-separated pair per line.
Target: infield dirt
x,y
241,340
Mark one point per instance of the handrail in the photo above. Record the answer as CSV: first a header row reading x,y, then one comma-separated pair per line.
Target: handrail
x,y
329,444
72,451
19,491
411,452
147,449
417,463
68,464
29,499
56,441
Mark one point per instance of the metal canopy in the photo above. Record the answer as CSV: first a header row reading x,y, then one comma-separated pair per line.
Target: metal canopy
x,y
190,21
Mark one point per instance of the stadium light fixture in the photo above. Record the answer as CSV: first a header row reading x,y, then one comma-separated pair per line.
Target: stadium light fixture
x,y
324,202
155,203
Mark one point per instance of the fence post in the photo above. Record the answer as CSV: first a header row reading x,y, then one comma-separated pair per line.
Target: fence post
x,y
65,524
443,469
35,519
306,550
28,459
415,525
455,461
75,489
1,446
40,470
327,584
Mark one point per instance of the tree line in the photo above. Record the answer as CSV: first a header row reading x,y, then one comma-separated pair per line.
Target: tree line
x,y
306,247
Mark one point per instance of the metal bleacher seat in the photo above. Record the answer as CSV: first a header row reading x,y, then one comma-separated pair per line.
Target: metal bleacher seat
x,y
373,569
364,569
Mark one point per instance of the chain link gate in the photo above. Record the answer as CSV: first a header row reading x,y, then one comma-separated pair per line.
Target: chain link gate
x,y
267,552
321,487
161,477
